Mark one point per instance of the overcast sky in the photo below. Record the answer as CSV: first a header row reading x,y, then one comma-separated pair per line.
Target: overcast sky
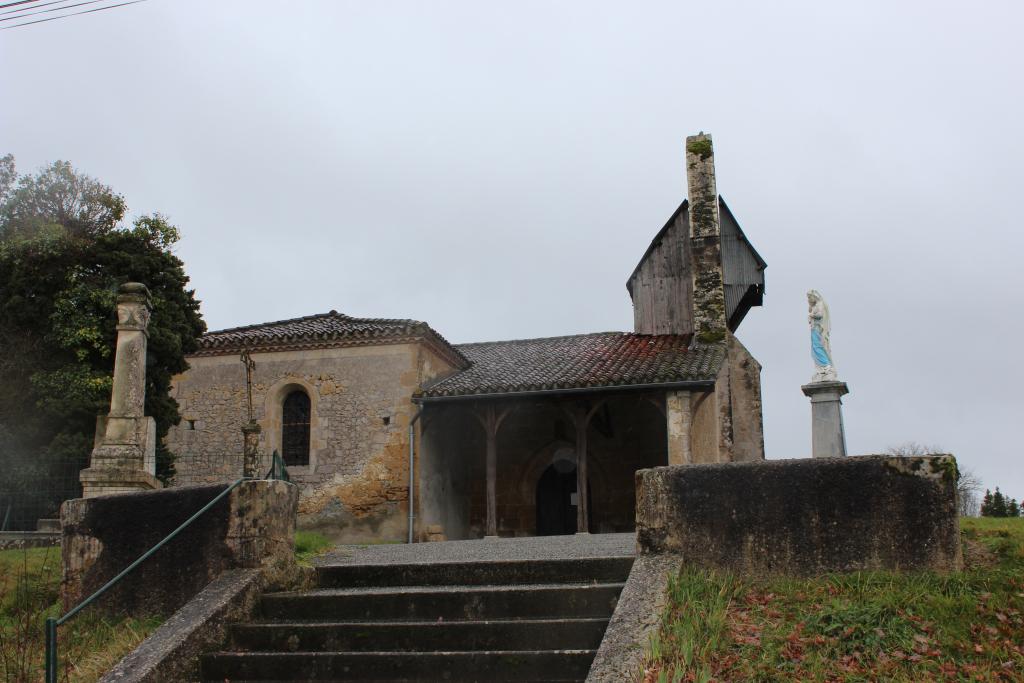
x,y
497,170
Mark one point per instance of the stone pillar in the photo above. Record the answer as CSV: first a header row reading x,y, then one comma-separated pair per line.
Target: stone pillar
x,y
124,452
828,437
251,461
678,420
709,315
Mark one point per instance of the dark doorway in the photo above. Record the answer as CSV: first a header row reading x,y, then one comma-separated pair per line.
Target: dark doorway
x,y
556,498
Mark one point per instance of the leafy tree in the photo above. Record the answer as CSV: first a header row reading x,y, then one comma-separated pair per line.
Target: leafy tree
x,y
968,485
8,175
64,251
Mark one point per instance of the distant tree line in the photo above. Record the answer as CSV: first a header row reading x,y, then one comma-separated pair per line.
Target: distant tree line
x,y
998,505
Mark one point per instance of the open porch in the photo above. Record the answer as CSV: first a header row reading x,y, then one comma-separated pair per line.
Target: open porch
x,y
540,465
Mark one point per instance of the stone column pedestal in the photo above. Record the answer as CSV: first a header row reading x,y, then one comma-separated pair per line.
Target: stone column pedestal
x,y
124,452
828,437
251,436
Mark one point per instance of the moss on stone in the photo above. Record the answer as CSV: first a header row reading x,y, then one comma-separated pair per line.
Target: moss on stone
x,y
710,336
701,148
946,466
702,217
943,467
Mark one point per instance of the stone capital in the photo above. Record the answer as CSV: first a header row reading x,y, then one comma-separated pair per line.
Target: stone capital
x,y
825,391
133,307
251,428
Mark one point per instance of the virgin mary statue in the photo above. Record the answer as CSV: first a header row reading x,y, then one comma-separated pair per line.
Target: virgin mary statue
x,y
821,329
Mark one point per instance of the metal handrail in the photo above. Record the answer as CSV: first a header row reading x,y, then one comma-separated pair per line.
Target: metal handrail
x,y
277,472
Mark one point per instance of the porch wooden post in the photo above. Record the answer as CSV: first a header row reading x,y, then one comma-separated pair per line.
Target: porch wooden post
x,y
492,473
490,419
582,502
580,414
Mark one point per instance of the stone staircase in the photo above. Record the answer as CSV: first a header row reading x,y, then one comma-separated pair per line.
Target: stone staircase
x,y
500,620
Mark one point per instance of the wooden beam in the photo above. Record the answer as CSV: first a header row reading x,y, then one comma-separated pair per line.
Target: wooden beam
x,y
580,414
657,402
490,418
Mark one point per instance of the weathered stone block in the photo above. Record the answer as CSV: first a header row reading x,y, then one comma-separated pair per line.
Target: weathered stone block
x,y
109,480
171,654
253,527
804,516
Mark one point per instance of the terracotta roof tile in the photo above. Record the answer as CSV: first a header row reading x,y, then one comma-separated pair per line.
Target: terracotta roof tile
x,y
323,330
604,359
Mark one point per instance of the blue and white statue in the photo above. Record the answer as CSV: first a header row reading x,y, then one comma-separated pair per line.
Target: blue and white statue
x,y
821,347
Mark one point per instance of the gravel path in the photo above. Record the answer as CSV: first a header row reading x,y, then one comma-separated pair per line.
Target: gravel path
x,y
484,550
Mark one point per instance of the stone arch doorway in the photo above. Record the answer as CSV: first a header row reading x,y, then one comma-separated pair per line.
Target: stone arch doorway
x,y
556,499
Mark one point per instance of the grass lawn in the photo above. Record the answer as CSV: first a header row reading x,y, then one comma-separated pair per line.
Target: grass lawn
x,y
865,626
88,644
309,544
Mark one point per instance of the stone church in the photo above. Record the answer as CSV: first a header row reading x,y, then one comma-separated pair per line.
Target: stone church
x,y
393,433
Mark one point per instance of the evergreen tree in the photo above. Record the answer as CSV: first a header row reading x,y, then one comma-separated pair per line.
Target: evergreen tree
x,y
998,504
64,250
1012,508
986,504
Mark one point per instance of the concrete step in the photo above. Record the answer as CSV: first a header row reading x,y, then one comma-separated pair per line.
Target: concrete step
x,y
420,636
324,667
449,603
498,572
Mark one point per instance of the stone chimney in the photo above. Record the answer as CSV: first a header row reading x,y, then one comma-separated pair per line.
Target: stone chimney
x,y
709,314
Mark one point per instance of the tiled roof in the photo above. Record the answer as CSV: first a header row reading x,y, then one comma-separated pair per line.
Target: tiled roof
x,y
325,330
604,359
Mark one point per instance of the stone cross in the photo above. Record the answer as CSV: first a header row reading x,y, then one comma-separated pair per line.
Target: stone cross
x,y
124,451
250,430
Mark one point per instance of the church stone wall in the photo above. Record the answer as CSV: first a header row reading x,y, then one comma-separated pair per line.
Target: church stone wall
x,y
356,485
745,397
450,442
727,422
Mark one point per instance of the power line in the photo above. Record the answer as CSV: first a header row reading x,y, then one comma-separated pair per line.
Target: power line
x,y
55,9
25,9
72,14
20,2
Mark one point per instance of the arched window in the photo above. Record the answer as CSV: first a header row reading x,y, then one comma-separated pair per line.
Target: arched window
x,y
295,429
